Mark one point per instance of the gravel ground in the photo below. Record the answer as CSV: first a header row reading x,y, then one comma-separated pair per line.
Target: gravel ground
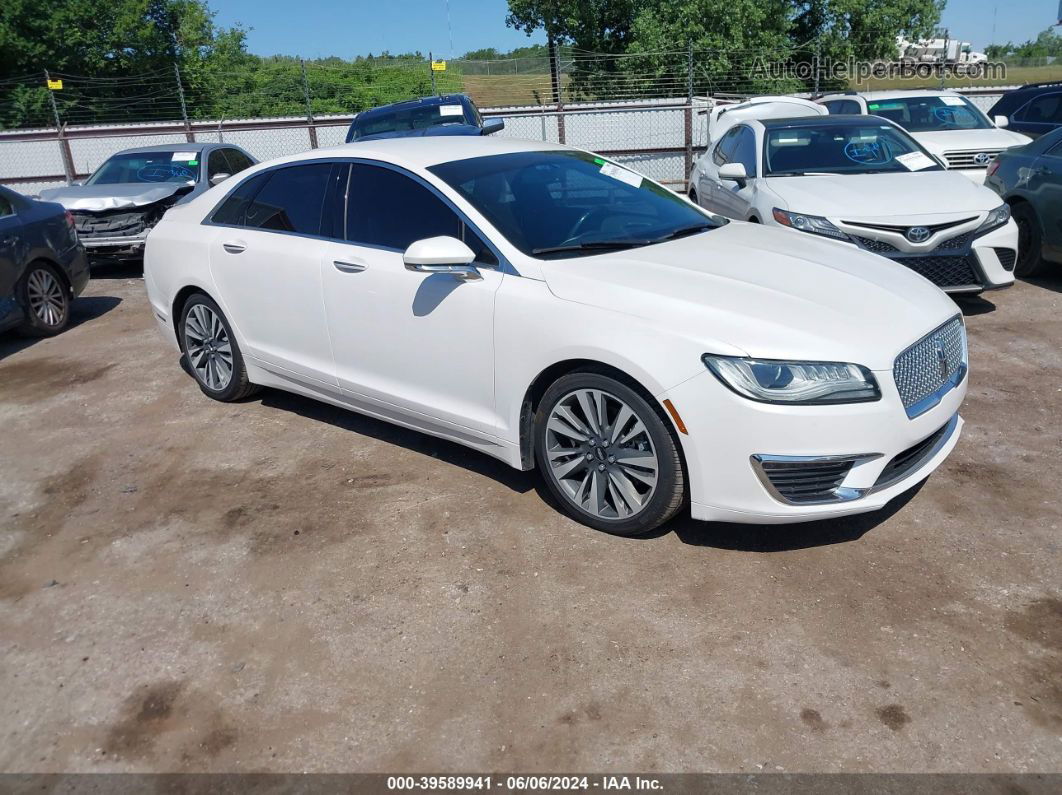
x,y
278,585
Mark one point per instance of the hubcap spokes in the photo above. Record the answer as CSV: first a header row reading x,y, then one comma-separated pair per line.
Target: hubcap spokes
x,y
600,454
209,348
46,298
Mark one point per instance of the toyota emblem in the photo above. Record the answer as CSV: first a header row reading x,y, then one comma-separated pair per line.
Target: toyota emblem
x,y
918,234
982,158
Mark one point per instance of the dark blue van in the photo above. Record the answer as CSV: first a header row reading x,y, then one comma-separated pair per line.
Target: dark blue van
x,y
450,114
1033,109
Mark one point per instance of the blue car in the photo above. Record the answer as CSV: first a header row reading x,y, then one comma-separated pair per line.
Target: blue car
x,y
1033,109
450,114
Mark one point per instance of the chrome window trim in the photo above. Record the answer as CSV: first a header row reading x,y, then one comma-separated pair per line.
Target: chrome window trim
x,y
503,266
840,494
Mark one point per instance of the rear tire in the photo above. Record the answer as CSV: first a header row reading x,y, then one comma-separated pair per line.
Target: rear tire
x,y
1030,242
45,299
607,456
211,350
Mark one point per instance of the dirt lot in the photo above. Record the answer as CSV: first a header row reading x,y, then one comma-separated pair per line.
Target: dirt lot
x,y
281,586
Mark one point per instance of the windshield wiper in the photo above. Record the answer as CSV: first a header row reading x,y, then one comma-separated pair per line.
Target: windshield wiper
x,y
682,231
591,245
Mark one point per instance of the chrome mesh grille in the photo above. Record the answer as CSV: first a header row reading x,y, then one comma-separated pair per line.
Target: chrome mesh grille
x,y
929,364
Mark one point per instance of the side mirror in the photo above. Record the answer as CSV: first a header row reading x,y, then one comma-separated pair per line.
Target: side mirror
x,y
735,172
441,255
1001,121
491,126
217,179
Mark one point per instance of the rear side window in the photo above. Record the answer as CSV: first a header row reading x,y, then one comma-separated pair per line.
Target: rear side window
x,y
1043,110
232,209
843,106
389,209
291,200
5,206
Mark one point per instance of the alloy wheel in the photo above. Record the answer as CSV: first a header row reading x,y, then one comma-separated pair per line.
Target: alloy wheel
x,y
600,454
209,347
46,297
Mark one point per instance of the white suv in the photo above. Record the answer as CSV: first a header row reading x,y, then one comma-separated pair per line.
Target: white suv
x,y
944,122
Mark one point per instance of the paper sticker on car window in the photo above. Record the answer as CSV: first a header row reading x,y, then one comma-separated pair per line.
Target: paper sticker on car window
x,y
953,100
915,161
183,157
622,174
451,110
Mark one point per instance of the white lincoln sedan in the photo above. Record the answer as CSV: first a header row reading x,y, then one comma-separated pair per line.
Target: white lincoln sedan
x,y
555,310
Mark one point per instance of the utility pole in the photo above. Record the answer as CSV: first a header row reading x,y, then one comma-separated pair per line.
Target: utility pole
x,y
555,80
688,116
944,65
188,134
309,107
60,133
818,63
431,68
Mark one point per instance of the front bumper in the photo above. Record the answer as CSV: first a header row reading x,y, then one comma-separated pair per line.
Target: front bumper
x,y
131,246
727,433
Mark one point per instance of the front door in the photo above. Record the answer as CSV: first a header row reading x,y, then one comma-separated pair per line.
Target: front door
x,y
421,343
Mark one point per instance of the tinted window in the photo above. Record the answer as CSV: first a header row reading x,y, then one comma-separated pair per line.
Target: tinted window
x,y
5,206
745,150
843,106
217,164
573,200
386,208
170,166
231,210
405,120
856,148
291,200
929,113
725,148
238,160
1043,110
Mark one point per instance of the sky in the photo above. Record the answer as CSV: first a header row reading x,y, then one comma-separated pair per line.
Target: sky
x,y
318,28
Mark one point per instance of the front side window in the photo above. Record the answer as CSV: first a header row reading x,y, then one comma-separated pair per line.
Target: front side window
x,y
131,167
725,147
388,209
1043,110
745,150
557,204
931,114
237,160
842,149
217,164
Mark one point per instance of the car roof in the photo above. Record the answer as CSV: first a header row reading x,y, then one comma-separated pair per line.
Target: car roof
x,y
195,146
896,94
832,119
424,152
423,102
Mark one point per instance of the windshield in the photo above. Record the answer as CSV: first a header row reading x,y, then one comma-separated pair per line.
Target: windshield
x,y
147,167
569,204
856,148
931,114
419,117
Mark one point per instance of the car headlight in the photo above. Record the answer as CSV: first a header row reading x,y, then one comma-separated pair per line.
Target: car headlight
x,y
808,223
997,217
809,383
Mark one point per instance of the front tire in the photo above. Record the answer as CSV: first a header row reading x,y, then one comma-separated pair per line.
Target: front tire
x,y
45,300
1030,242
607,456
211,351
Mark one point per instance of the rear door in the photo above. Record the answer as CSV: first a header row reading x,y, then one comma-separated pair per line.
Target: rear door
x,y
265,259
1045,182
10,258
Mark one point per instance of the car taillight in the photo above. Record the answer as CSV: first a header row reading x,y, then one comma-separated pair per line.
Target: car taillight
x,y
993,167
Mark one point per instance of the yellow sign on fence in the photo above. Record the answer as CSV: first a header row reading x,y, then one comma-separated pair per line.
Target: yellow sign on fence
x,y
55,85
438,66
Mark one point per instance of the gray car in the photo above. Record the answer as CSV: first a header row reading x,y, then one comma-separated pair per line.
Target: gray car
x,y
116,207
1029,178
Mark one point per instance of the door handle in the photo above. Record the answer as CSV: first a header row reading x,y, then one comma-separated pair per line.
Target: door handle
x,y
233,248
349,267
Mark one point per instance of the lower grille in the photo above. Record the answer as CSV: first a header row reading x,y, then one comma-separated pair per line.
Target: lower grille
x,y
910,459
944,271
806,481
124,224
1006,257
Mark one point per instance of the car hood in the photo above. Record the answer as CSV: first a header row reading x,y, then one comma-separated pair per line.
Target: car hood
x,y
96,198
969,140
768,292
901,195
427,132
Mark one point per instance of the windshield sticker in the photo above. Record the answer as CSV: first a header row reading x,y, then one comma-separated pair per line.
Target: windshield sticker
x,y
159,172
915,161
183,157
868,154
622,174
451,110
953,101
